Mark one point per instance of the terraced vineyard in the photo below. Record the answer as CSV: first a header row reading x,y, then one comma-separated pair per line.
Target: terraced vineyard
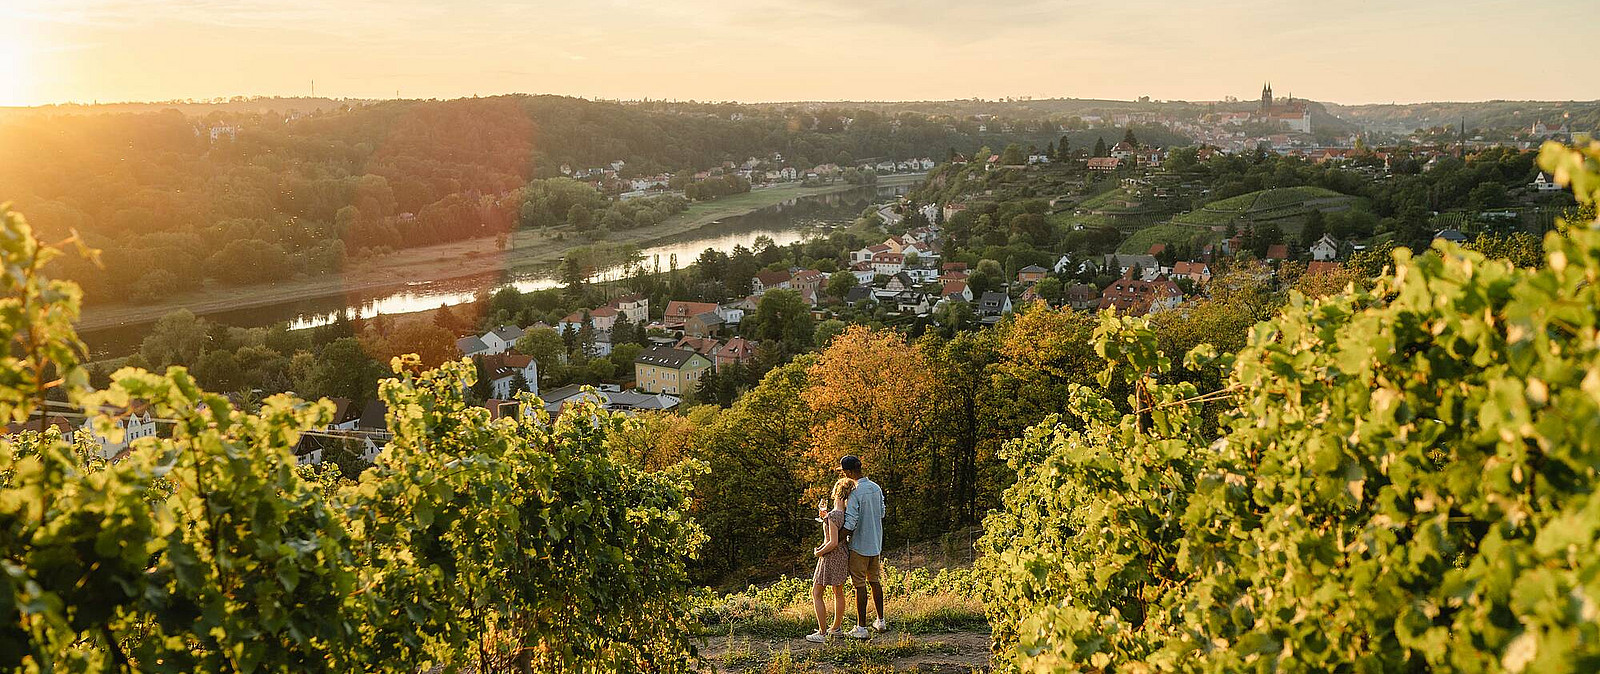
x,y
1139,242
1286,206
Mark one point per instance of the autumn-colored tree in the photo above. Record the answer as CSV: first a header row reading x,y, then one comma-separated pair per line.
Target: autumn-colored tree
x,y
1042,353
871,394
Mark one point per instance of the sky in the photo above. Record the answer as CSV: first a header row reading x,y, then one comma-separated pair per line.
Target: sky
x,y
1344,51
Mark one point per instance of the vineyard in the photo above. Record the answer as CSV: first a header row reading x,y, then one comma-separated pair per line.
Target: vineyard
x,y
507,545
1403,480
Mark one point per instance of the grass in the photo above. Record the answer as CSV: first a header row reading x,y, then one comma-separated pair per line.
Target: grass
x,y
918,602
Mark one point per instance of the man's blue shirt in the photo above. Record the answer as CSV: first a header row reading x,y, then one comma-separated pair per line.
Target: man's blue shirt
x,y
863,515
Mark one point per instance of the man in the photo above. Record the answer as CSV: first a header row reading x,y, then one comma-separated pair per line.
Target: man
x,y
863,518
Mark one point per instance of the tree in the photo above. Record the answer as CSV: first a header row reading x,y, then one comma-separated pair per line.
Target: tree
x,y
827,330
573,275
783,317
1314,229
1032,228
1129,138
579,217
1012,156
1064,149
544,345
870,393
1100,148
1051,290
177,338
344,370
840,283
433,344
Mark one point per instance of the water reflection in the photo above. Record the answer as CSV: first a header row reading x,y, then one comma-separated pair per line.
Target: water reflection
x,y
784,224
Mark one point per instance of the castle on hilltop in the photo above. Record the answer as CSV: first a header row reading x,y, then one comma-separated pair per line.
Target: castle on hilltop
x,y
1291,113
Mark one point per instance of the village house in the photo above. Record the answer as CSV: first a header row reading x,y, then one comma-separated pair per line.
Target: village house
x,y
503,371
1544,183
707,324
863,272
679,312
1082,296
635,307
1325,249
1199,272
865,254
888,263
808,280
912,302
738,350
899,281
1149,267
769,280
670,371
501,338
956,290
994,303
705,346
135,422
609,398
1123,151
1136,296
472,345
1322,267
1278,252
1031,274
600,318
1104,164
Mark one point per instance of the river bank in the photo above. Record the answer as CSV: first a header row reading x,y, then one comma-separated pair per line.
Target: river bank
x,y
469,259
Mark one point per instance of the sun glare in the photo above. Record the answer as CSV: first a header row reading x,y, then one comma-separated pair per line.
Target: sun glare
x,y
13,69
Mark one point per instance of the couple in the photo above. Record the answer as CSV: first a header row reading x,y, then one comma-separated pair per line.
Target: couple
x,y
852,548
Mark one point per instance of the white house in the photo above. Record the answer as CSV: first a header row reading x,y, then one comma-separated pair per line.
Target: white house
x,y
1544,183
636,308
864,272
994,303
501,338
503,371
1325,249
134,423
472,345
888,263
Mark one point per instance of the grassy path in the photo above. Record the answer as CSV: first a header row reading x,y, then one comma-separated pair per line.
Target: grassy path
x,y
949,652
456,260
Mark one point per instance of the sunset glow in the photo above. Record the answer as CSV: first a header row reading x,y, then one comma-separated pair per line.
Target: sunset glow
x,y
765,50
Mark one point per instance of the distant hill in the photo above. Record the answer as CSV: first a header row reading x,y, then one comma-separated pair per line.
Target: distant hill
x,y
1404,118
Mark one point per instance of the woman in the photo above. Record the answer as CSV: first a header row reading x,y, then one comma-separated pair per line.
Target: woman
x,y
833,564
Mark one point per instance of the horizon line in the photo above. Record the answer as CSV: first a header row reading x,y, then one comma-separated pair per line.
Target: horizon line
x,y
219,100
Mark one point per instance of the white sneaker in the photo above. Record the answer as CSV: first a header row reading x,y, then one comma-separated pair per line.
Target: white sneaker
x,y
880,625
816,637
859,632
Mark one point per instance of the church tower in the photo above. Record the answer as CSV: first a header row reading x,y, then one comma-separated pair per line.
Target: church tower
x,y
1266,98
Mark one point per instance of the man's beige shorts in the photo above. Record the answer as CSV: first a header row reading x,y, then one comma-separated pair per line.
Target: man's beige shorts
x,y
864,569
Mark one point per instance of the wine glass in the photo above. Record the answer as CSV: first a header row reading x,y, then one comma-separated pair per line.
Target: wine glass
x,y
822,509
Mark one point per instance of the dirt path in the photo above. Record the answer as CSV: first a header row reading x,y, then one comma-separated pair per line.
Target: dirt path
x,y
947,653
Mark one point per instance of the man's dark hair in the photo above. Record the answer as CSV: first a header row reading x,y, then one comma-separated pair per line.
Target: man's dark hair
x,y
850,462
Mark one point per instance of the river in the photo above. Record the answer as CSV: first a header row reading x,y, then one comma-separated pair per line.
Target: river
x,y
784,224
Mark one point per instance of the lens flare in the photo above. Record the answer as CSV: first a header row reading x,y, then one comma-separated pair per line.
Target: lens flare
x,y
13,68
